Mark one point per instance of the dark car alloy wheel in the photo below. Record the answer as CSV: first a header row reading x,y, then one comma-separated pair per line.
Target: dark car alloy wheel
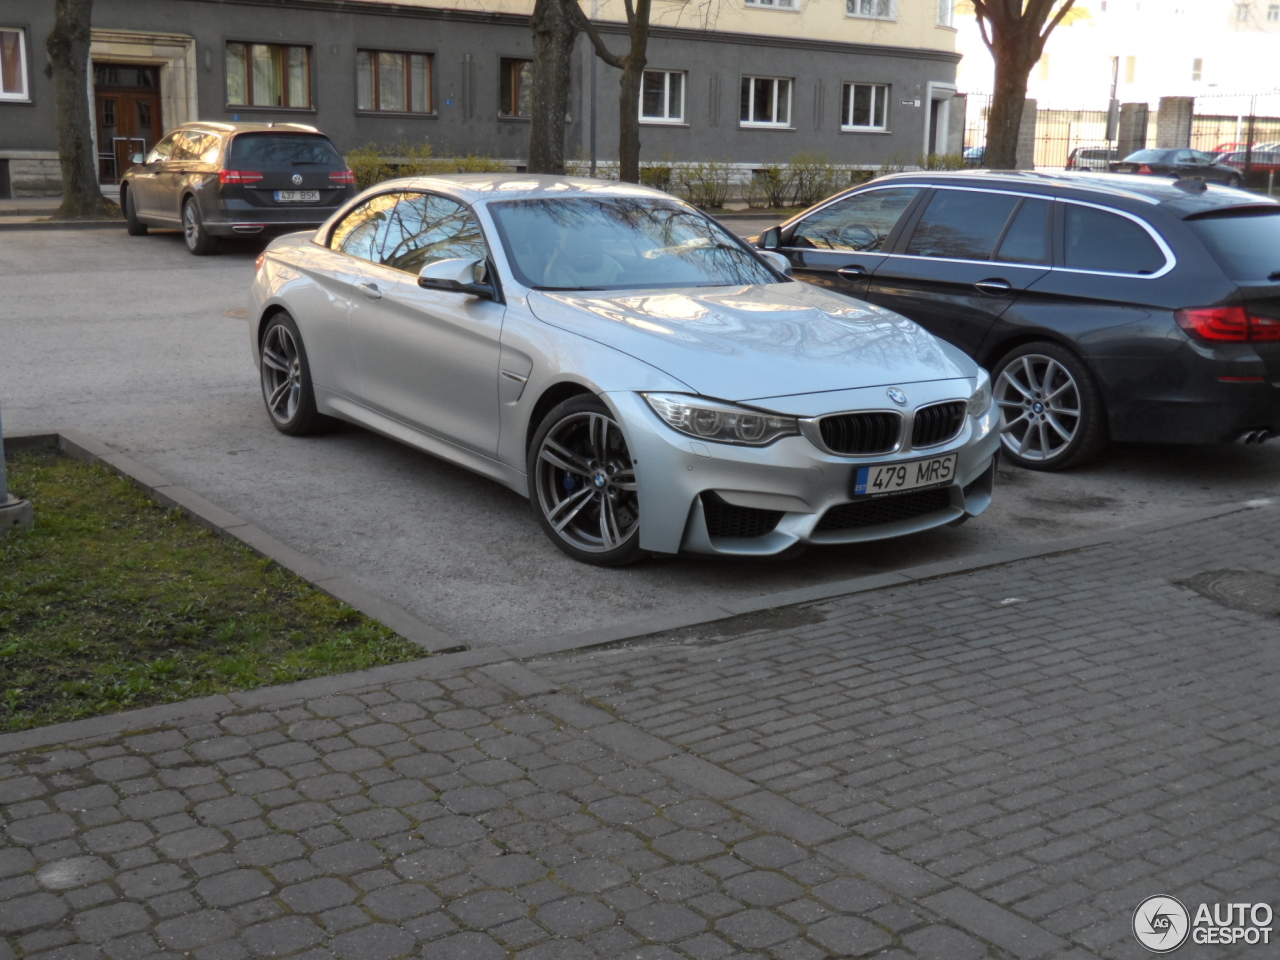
x,y
584,485
198,239
1050,410
286,380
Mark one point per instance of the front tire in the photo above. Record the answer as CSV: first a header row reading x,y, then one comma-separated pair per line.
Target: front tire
x,y
134,226
582,484
198,239
286,381
1051,412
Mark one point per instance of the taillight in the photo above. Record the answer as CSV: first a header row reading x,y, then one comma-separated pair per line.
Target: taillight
x,y
1071,163
1228,324
1143,168
342,176
257,264
238,176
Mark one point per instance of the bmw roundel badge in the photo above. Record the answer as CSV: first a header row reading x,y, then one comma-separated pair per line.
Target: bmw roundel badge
x,y
897,396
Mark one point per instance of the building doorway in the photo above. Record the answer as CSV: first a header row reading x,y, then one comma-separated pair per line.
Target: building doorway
x,y
127,108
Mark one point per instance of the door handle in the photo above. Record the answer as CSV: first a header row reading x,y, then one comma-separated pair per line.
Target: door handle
x,y
994,286
370,290
854,271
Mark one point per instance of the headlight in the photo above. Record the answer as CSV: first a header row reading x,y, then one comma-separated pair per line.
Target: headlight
x,y
721,422
980,402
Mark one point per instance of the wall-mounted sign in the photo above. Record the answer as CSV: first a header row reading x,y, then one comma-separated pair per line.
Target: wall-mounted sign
x,y
911,103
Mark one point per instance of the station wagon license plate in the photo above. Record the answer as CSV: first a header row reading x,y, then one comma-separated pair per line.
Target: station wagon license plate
x,y
886,478
297,196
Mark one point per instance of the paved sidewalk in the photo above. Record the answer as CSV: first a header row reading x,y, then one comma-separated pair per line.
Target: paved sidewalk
x,y
1000,764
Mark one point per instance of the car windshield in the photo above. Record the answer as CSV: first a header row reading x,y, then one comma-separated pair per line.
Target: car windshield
x,y
617,243
282,151
1245,242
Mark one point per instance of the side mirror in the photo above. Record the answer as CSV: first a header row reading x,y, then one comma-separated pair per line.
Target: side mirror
x,y
137,158
457,275
771,239
777,261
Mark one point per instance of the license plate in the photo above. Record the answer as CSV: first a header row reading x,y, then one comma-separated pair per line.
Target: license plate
x,y
297,196
886,478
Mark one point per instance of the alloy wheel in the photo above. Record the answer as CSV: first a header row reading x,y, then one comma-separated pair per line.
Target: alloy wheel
x,y
585,483
281,373
190,226
1040,408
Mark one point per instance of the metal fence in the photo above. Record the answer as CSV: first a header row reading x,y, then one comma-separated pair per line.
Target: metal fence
x,y
1244,129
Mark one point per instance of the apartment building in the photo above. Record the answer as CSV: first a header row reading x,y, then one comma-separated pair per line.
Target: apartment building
x,y
749,81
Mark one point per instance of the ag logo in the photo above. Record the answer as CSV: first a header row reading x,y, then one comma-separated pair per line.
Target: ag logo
x,y
1161,924
897,396
297,179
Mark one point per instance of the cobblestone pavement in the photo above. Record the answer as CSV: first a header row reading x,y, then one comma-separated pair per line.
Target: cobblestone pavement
x,y
995,765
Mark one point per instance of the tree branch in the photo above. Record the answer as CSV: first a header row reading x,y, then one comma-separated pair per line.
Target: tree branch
x,y
593,35
1066,8
982,13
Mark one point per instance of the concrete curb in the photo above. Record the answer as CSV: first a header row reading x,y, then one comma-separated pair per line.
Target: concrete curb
x,y
64,225
73,443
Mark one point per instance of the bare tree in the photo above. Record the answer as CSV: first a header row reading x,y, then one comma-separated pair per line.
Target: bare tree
x,y
555,30
68,47
1015,32
632,65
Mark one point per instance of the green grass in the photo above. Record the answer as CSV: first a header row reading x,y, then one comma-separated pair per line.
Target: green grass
x,y
113,602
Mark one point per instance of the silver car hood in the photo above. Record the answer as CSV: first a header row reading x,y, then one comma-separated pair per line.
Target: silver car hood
x,y
745,343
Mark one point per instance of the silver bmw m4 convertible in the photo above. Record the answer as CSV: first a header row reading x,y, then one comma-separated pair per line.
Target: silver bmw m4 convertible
x,y
649,381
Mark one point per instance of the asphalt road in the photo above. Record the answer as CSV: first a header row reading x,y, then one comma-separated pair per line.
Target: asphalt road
x,y
129,340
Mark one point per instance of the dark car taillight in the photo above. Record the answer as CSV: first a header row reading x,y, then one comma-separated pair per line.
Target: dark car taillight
x,y
1228,324
238,176
343,176
1071,162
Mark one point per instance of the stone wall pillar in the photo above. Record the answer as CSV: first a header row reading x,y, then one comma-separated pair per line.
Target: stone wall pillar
x,y
1173,124
955,123
1027,137
1132,132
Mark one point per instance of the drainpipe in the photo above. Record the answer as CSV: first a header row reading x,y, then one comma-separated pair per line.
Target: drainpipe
x,y
15,514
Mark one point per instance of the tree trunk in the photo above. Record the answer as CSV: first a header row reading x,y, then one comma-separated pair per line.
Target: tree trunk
x,y
629,119
1005,116
68,47
554,34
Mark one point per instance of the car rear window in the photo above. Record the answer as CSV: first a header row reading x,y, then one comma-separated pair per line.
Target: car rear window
x,y
282,151
1105,242
1148,156
1246,243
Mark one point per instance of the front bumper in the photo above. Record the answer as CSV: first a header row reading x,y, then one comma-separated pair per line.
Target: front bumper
x,y
791,492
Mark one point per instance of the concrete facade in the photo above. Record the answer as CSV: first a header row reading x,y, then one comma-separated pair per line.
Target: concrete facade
x,y
187,40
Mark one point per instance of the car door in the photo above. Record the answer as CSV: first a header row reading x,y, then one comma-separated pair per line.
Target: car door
x,y
969,256
322,302
429,357
143,179
840,245
171,174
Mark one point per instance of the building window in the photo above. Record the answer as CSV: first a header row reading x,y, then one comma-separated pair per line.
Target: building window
x,y
1242,12
774,4
946,12
517,88
13,65
872,9
865,106
1273,14
766,102
1197,68
395,82
662,96
268,75
1130,69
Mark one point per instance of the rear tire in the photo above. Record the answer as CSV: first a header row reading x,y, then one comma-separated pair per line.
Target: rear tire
x,y
1051,412
287,390
199,241
133,225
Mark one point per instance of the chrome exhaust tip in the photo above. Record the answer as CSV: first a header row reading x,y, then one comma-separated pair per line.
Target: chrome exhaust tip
x,y
1256,436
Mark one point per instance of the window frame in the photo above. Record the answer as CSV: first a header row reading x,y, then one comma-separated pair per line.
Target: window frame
x,y
666,97
779,6
1060,238
504,64
1273,13
376,86
24,74
766,124
949,19
248,77
857,14
1243,11
846,120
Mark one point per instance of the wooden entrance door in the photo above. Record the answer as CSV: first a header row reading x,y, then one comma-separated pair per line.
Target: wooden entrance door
x,y
127,104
